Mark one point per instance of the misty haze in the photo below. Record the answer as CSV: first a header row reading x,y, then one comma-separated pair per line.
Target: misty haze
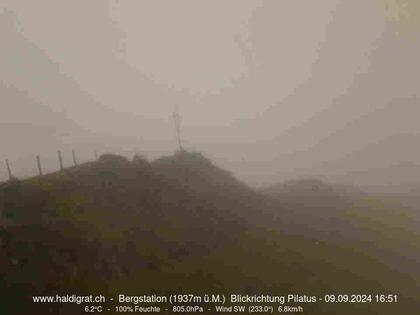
x,y
241,147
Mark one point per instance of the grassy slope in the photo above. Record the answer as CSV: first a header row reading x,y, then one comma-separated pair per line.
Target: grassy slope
x,y
180,224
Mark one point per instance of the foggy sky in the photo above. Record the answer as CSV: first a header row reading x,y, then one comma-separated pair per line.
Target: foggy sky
x,y
271,90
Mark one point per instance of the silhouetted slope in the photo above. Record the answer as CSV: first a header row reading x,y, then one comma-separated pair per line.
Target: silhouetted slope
x,y
126,217
196,174
178,224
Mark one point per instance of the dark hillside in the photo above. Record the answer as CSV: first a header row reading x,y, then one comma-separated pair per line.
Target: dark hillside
x,y
178,224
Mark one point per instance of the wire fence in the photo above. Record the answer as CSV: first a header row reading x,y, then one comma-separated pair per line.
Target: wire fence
x,y
39,165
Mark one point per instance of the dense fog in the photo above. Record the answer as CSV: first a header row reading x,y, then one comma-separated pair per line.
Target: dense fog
x,y
271,90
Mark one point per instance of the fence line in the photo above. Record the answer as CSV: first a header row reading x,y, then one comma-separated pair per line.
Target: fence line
x,y
39,164
60,160
74,157
8,170
38,160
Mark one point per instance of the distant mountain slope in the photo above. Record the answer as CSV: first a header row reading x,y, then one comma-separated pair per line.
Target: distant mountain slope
x,y
345,215
364,150
177,224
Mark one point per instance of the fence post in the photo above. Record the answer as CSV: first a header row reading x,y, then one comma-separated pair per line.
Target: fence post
x,y
74,157
8,170
38,160
60,160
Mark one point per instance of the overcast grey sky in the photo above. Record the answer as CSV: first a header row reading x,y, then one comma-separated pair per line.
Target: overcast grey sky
x,y
263,87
